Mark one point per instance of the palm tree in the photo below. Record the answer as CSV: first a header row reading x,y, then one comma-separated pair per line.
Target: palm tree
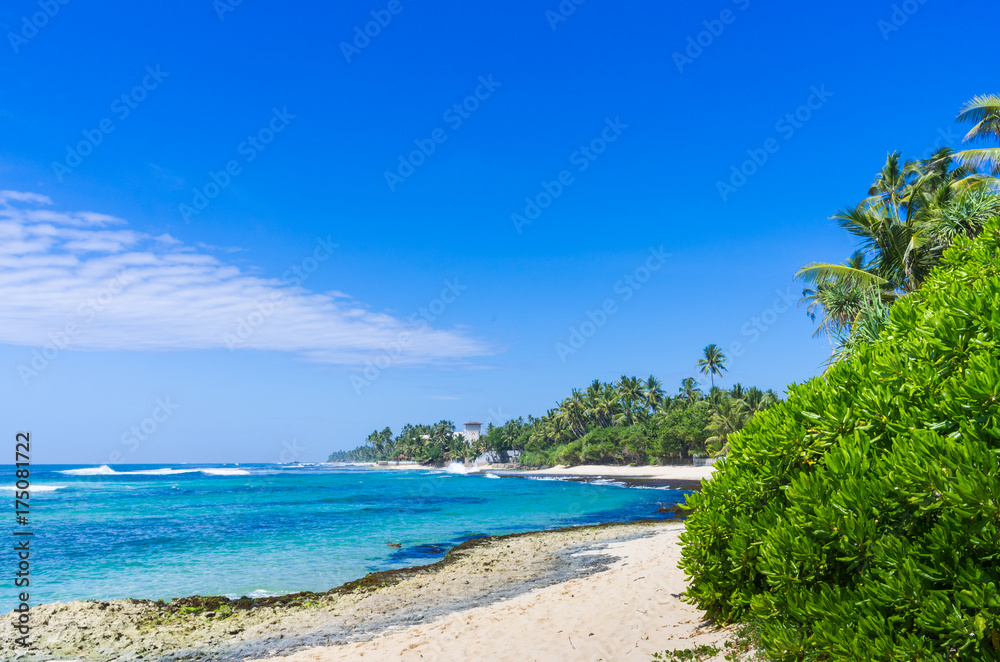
x,y
890,223
833,299
689,390
913,212
757,400
608,404
713,363
630,390
655,398
729,416
985,112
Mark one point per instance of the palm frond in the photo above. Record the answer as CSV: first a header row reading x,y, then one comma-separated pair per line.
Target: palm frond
x,y
984,110
986,159
820,271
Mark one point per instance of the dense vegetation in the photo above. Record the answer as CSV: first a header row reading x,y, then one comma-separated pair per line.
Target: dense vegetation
x,y
424,443
860,518
634,422
629,422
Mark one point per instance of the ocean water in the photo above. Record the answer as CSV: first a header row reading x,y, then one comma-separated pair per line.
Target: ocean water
x,y
257,530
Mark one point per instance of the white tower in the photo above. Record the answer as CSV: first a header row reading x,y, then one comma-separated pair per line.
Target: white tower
x,y
473,430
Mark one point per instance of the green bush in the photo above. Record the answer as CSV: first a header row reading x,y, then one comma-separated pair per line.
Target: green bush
x,y
535,459
682,431
858,520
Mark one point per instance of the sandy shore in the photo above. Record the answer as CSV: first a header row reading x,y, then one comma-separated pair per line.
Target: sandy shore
x,y
594,593
688,474
681,473
626,612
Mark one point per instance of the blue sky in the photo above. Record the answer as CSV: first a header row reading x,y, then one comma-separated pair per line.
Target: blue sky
x,y
164,97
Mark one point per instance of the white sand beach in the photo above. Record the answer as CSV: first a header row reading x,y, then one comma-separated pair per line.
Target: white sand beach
x,y
681,473
626,612
686,473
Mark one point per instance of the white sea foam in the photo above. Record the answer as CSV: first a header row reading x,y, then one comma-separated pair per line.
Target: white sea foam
x,y
34,488
225,472
492,476
459,468
103,470
259,593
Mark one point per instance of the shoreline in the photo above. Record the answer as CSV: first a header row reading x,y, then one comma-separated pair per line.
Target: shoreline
x,y
680,477
477,574
628,609
685,477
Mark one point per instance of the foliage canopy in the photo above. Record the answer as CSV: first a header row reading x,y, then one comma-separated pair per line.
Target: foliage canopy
x,y
860,518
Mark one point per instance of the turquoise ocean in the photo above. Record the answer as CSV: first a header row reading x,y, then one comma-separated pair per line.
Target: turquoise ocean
x,y
161,532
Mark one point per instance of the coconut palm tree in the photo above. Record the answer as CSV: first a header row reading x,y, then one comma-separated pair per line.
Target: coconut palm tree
x,y
608,405
912,213
728,416
689,390
757,400
713,363
890,223
630,392
655,397
985,112
832,299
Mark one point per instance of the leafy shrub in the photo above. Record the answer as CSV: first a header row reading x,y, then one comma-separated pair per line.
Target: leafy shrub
x,y
536,459
858,520
682,431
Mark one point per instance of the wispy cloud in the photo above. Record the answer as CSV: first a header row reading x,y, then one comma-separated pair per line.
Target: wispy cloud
x,y
178,296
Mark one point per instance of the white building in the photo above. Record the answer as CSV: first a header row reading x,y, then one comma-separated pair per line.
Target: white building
x,y
473,429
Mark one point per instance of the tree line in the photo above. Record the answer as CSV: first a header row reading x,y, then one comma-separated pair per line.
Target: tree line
x,y
630,421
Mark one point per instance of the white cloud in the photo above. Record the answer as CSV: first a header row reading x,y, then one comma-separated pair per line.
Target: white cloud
x,y
124,290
